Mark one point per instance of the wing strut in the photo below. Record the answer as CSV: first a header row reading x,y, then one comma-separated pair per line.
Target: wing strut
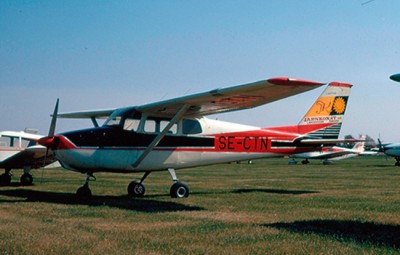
x,y
178,116
94,121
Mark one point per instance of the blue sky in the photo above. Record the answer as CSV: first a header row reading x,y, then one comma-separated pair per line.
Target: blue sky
x,y
108,54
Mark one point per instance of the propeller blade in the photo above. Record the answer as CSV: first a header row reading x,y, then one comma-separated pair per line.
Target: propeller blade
x,y
52,129
380,145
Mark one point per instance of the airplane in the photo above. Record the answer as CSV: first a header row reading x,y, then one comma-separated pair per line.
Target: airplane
x,y
332,153
174,134
395,77
20,150
391,149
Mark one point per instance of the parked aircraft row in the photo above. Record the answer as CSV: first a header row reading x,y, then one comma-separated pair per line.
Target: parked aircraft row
x,y
327,153
174,134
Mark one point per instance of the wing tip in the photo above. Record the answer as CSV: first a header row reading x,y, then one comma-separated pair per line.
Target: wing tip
x,y
286,81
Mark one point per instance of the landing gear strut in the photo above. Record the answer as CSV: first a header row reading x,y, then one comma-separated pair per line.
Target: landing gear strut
x,y
84,192
26,179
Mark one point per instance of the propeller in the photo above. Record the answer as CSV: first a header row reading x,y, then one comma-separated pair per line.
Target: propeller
x,y
381,148
48,141
53,123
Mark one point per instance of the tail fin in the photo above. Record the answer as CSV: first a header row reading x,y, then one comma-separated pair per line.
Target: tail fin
x,y
324,119
359,146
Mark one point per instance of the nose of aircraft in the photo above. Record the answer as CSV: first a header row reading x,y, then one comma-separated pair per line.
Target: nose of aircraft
x,y
47,141
395,77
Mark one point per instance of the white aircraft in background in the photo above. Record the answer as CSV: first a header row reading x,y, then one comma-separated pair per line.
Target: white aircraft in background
x,y
332,153
174,134
20,150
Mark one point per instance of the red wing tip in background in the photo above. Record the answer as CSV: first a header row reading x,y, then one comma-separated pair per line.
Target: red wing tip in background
x,y
286,81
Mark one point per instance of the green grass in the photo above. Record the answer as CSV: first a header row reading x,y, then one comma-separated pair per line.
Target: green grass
x,y
269,207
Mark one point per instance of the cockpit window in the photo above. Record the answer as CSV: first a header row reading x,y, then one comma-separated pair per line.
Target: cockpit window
x,y
132,120
113,121
127,118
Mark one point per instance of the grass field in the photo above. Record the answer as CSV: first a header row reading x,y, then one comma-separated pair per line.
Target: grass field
x,y
269,207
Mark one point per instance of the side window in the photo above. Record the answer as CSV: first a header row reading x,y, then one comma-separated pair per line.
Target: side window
x,y
191,127
150,126
172,130
4,141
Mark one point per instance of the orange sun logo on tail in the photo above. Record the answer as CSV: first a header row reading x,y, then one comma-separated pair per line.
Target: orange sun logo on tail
x,y
339,105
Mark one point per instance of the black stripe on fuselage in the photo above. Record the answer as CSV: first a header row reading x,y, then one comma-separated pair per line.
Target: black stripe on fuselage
x,y
117,137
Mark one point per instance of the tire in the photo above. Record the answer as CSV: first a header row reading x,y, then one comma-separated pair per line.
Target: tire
x,y
26,179
5,179
179,190
136,189
84,192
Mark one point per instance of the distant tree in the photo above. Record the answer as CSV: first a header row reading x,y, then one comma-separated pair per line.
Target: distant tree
x,y
349,144
369,143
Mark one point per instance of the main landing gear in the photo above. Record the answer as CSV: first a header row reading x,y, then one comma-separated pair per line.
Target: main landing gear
x,y
25,180
178,189
397,161
137,188
5,179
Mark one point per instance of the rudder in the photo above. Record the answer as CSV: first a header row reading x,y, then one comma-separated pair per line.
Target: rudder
x,y
324,119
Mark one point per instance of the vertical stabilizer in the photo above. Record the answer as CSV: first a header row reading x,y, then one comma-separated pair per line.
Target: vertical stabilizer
x,y
324,119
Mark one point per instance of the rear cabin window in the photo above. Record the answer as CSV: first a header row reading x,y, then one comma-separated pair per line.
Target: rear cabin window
x,y
191,127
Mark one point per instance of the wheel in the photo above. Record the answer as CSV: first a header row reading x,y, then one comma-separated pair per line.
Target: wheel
x,y
5,179
26,179
326,162
84,192
305,162
179,190
136,189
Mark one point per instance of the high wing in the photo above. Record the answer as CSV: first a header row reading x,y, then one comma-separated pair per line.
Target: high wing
x,y
33,156
98,114
218,100
230,99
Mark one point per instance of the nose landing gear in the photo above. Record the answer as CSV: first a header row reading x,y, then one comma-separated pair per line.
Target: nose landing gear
x,y
84,192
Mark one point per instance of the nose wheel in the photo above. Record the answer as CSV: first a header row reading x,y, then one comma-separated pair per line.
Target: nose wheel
x,y
84,192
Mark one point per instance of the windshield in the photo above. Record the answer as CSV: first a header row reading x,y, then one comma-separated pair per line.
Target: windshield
x,y
126,118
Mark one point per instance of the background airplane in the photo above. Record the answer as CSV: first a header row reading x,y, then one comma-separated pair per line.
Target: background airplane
x,y
174,134
391,149
20,150
332,153
395,77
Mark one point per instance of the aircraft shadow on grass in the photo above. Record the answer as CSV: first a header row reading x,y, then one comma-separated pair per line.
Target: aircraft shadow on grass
x,y
275,191
348,230
121,202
